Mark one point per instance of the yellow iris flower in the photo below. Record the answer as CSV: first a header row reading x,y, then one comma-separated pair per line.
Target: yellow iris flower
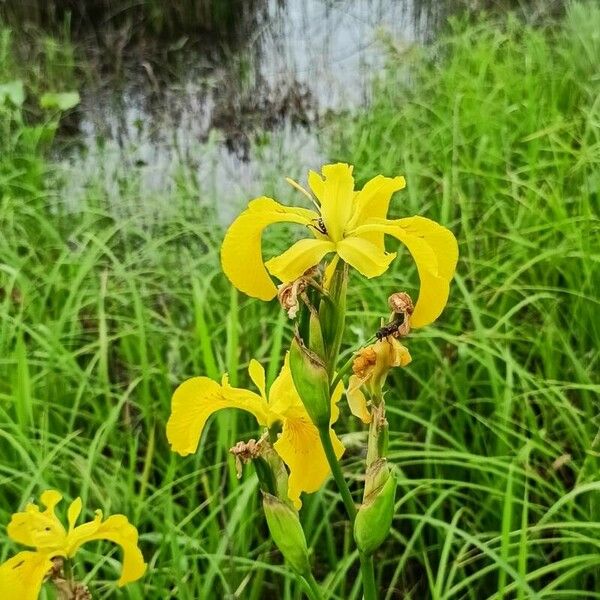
x,y
22,576
352,224
298,445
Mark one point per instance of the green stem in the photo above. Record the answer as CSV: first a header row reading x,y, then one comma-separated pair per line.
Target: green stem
x,y
339,301
313,589
368,577
366,562
336,471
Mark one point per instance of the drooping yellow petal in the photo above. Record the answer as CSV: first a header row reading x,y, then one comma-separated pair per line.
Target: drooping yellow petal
x,y
38,529
295,261
195,400
116,529
439,238
21,576
337,198
373,201
435,252
356,399
364,256
299,446
241,252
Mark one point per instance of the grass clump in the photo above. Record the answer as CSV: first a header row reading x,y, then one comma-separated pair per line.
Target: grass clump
x,y
496,129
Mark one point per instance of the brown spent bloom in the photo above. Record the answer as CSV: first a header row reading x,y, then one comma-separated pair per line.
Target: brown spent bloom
x,y
364,361
401,303
370,368
66,589
289,294
244,452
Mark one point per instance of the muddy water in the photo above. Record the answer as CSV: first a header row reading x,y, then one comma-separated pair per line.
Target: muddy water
x,y
235,120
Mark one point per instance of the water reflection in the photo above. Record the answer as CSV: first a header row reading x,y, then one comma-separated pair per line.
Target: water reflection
x,y
237,118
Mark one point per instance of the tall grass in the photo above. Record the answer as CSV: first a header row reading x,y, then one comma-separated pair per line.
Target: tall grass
x,y
497,131
494,426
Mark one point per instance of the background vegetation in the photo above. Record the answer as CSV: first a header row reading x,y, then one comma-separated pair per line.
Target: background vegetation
x,y
494,426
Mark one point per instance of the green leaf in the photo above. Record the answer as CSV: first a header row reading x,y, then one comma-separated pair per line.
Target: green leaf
x,y
59,100
13,91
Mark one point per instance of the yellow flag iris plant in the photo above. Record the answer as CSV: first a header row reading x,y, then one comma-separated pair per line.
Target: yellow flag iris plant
x,y
22,576
299,448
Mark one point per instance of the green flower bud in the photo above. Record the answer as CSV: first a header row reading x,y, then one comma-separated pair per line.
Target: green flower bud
x,y
287,533
374,517
333,312
311,382
315,340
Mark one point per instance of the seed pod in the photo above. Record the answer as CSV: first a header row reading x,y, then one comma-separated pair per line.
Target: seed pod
x,y
311,382
287,533
374,517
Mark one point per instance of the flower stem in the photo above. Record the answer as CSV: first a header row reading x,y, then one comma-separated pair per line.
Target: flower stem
x,y
313,589
366,562
336,471
368,577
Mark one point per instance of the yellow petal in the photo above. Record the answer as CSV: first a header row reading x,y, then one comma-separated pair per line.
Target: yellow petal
x,y
356,399
330,270
73,512
435,252
241,252
38,529
335,398
257,375
50,498
283,396
116,529
337,198
299,446
21,576
315,182
195,400
439,238
398,354
295,261
373,201
364,256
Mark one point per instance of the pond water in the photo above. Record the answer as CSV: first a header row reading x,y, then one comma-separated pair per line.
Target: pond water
x,y
240,114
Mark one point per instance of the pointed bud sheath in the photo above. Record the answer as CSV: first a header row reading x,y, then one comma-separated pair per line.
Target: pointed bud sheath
x,y
266,477
315,339
311,382
332,312
287,533
374,517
